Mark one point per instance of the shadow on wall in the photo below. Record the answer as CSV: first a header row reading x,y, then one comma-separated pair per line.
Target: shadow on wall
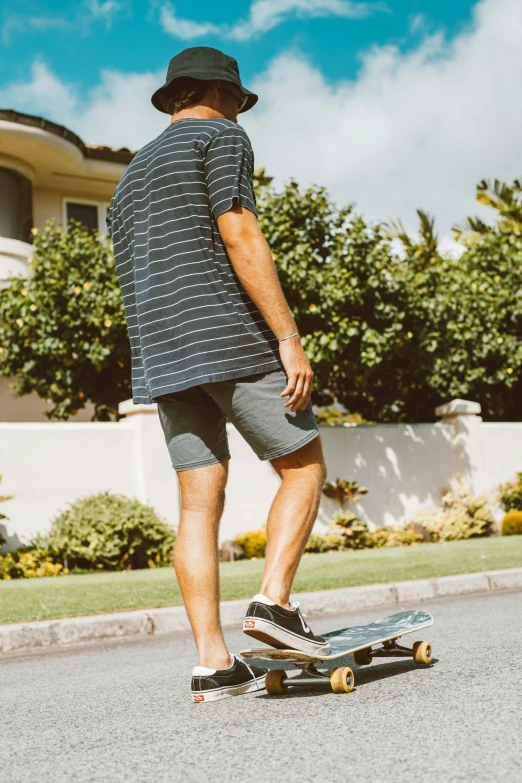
x,y
11,542
403,466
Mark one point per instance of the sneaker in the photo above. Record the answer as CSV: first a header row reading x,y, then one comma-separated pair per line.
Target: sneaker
x,y
214,684
282,628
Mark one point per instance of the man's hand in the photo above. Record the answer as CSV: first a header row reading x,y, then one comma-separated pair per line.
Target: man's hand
x,y
299,374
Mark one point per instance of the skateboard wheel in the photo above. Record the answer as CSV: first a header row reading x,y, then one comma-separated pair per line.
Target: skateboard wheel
x,y
274,682
342,680
363,657
422,652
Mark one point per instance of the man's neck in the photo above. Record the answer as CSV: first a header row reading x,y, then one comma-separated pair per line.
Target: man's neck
x,y
198,113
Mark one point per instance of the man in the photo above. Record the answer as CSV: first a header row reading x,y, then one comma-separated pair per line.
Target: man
x,y
212,337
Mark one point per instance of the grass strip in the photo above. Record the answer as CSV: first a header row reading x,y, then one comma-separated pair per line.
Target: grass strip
x,y
67,596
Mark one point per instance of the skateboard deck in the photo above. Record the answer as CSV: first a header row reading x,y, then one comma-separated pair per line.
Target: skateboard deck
x,y
358,641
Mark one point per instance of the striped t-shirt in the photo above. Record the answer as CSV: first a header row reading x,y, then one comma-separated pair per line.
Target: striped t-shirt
x,y
189,319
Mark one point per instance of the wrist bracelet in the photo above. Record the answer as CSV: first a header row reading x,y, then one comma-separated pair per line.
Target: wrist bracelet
x,y
295,334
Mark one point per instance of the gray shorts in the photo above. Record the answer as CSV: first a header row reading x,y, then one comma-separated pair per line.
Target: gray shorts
x,y
194,420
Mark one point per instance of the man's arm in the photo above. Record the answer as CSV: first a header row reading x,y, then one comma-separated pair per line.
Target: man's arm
x,y
252,260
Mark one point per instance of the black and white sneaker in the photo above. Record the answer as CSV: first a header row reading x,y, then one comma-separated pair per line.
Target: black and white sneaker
x,y
214,684
282,628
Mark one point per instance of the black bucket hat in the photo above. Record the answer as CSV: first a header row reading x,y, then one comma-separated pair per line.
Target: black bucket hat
x,y
206,64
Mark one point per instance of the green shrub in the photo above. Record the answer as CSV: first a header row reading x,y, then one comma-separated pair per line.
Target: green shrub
x,y
253,543
352,530
462,516
3,498
327,543
511,494
63,331
332,416
29,563
512,524
110,532
391,536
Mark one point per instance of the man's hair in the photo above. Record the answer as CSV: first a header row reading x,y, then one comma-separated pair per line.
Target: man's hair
x,y
187,92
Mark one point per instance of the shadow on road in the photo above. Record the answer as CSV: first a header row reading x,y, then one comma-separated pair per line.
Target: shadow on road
x,y
363,676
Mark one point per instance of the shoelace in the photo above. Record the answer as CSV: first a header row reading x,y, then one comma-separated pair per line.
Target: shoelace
x,y
296,606
258,686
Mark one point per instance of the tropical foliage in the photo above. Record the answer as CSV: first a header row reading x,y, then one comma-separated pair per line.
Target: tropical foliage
x,y
63,333
511,494
389,334
505,199
462,515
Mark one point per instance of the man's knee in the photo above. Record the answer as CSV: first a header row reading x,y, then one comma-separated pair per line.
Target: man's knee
x,y
308,457
204,487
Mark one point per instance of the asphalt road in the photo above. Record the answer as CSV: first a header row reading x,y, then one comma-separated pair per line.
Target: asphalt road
x,y
122,712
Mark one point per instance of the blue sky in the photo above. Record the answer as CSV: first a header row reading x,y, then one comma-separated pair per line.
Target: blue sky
x,y
130,36
394,105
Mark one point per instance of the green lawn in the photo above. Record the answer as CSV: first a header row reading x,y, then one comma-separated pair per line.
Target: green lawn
x,y
39,599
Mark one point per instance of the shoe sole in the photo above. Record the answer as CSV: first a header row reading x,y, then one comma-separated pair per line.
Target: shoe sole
x,y
223,693
272,634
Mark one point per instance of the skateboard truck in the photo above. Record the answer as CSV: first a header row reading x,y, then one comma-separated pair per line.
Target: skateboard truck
x,y
421,652
341,679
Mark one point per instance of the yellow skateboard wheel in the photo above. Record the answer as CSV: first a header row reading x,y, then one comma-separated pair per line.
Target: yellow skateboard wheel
x,y
422,652
363,657
342,680
274,682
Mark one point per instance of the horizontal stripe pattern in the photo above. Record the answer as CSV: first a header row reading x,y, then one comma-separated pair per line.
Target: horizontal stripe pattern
x,y
189,319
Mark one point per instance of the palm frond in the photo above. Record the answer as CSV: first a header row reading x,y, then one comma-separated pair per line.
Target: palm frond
x,y
395,230
472,225
427,231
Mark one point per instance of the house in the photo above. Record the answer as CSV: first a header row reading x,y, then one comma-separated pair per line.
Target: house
x,y
47,171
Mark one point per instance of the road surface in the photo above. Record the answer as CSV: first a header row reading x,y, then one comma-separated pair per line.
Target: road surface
x,y
122,712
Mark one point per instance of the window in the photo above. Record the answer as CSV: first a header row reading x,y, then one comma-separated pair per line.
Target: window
x,y
16,205
83,213
90,213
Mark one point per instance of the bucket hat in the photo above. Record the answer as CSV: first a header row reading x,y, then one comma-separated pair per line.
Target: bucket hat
x,y
206,64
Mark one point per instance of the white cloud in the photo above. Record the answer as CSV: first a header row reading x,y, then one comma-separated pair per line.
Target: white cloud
x,y
80,19
263,16
117,112
412,130
185,28
15,24
105,10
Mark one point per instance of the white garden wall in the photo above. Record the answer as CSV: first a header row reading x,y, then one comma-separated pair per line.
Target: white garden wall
x,y
47,465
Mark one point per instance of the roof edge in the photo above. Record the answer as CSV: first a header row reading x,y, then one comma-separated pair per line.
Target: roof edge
x,y
122,155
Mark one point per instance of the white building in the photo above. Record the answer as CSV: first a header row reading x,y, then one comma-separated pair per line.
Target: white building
x,y
46,171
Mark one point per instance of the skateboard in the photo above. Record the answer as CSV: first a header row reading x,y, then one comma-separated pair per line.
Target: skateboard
x,y
363,642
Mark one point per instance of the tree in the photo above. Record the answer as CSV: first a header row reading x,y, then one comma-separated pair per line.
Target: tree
x,y
505,199
466,317
347,294
62,330
388,335
392,336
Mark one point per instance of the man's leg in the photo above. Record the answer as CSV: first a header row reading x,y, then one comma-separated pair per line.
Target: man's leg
x,y
291,517
196,558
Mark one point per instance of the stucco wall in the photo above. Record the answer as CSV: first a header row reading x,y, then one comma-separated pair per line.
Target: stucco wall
x,y
47,465
47,204
502,443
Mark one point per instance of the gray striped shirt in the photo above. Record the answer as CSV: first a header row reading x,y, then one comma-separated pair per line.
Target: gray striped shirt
x,y
189,319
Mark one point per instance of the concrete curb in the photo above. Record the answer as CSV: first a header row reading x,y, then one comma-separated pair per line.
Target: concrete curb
x,y
18,637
